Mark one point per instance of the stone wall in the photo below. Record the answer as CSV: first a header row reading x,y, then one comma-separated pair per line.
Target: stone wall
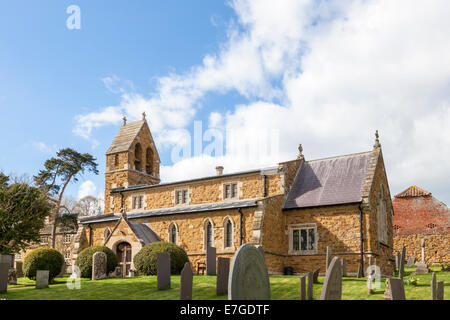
x,y
437,247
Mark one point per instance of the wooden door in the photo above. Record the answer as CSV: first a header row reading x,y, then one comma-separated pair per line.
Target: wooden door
x,y
124,257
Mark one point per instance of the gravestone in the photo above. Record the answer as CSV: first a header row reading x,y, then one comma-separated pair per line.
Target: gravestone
x,y
42,277
163,270
360,271
186,282
310,283
12,276
344,267
223,270
4,269
421,268
316,275
411,261
303,288
440,290
328,261
401,268
433,286
396,261
99,265
248,278
7,258
117,273
394,289
210,260
19,270
332,285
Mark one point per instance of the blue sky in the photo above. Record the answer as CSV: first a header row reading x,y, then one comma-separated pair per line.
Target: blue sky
x,y
325,74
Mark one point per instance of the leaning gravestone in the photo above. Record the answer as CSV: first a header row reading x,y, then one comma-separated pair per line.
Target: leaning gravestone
x,y
248,278
316,275
4,269
332,285
310,283
19,271
328,261
163,270
42,279
210,260
117,273
411,261
223,270
421,268
186,282
394,289
440,290
344,267
303,288
433,286
99,265
401,265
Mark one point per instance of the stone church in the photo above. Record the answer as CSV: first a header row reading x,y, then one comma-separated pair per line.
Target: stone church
x,y
294,209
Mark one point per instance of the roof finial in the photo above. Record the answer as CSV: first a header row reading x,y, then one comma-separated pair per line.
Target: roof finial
x,y
124,120
377,141
300,152
143,115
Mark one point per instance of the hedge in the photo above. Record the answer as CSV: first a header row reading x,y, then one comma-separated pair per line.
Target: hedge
x,y
84,260
43,259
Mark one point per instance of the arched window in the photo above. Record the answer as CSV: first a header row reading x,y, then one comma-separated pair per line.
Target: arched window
x,y
229,234
138,157
173,233
209,234
116,160
149,161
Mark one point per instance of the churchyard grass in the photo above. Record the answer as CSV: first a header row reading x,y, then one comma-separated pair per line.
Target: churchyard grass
x,y
204,288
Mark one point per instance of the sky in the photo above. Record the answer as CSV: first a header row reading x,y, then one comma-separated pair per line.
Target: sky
x,y
237,83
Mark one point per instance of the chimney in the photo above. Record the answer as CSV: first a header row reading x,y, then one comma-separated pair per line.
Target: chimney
x,y
219,170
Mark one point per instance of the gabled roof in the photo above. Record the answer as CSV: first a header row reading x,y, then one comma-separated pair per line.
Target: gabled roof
x,y
143,232
329,181
125,137
413,191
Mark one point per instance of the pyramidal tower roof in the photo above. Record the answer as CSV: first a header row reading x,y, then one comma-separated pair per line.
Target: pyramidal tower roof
x,y
413,191
126,135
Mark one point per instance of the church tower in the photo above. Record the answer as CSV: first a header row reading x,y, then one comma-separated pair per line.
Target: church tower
x,y
132,159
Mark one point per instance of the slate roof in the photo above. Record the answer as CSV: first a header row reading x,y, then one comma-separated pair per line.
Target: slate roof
x,y
177,210
144,233
413,191
125,137
329,181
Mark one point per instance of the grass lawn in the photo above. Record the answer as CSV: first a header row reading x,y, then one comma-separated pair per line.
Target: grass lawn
x,y
144,287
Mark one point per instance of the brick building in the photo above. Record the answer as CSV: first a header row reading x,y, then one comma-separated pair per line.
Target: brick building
x,y
419,216
294,209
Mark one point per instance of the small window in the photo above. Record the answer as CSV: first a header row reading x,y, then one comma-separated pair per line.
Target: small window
x,y
230,191
182,196
44,240
209,236
229,234
67,238
116,160
303,238
138,202
18,256
67,255
173,233
396,227
431,226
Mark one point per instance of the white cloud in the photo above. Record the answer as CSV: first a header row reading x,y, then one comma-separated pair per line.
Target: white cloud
x,y
339,70
87,188
43,147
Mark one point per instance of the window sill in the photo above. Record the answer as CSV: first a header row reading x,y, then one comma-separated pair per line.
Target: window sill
x,y
302,253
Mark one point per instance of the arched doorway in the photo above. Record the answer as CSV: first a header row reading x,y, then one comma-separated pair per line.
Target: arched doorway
x,y
123,253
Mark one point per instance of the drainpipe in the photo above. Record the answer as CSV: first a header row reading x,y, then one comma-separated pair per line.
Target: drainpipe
x,y
121,201
265,186
240,226
90,235
362,240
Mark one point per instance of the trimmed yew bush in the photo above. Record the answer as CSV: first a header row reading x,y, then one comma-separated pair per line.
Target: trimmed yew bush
x,y
43,259
145,259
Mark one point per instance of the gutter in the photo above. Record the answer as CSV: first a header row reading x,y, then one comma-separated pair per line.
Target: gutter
x,y
362,239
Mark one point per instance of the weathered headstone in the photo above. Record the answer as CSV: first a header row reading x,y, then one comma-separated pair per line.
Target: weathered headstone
x,y
433,286
117,273
186,282
421,268
4,269
210,260
99,265
316,275
42,278
12,276
397,260
163,270
440,290
328,258
411,261
401,268
394,289
310,283
344,267
19,270
7,258
223,270
303,288
332,285
249,279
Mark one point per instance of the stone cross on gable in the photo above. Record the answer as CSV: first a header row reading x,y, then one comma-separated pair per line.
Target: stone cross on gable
x,y
143,115
124,120
377,140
